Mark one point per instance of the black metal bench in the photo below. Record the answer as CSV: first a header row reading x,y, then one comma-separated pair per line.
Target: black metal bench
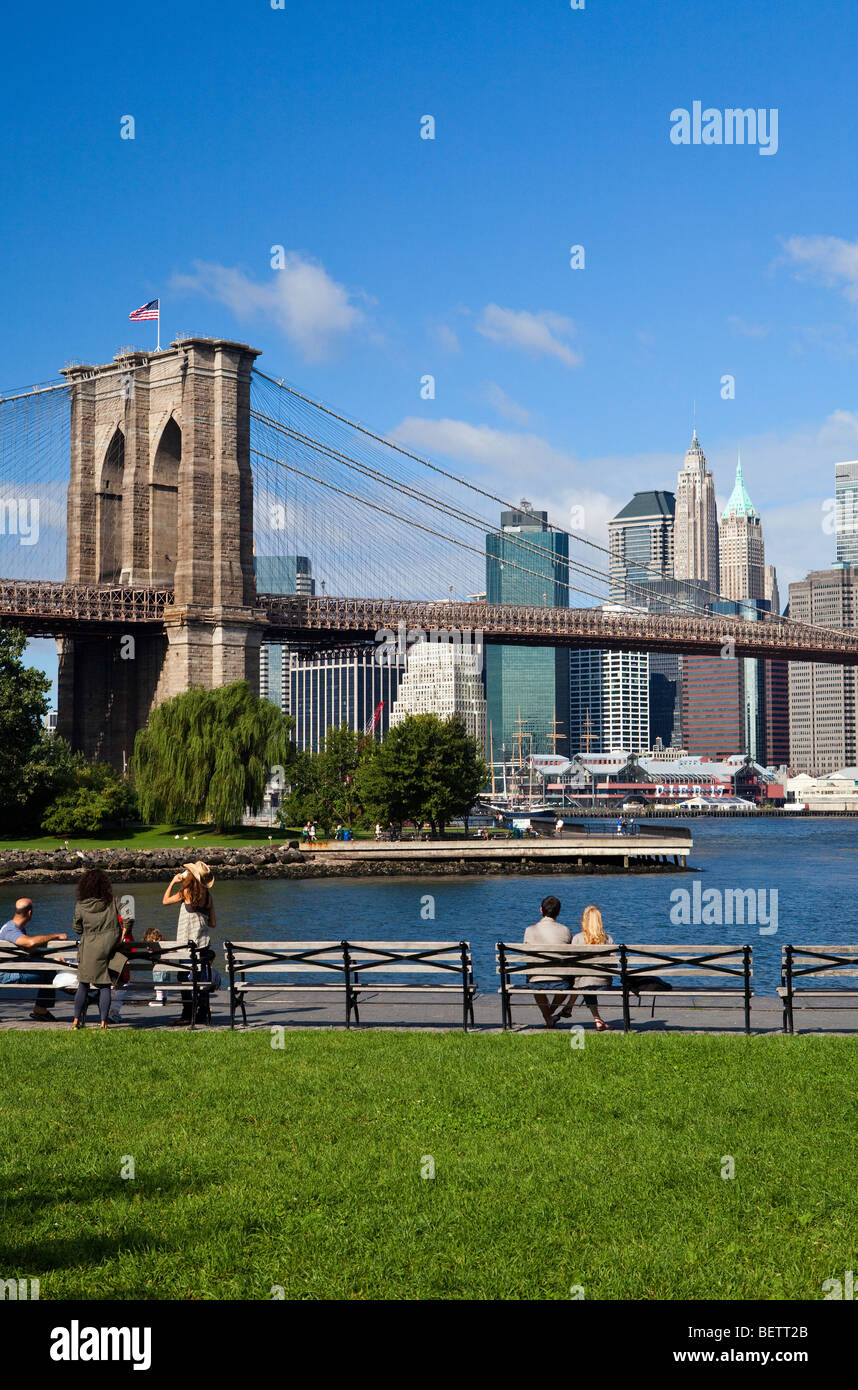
x,y
809,963
48,961
352,969
633,966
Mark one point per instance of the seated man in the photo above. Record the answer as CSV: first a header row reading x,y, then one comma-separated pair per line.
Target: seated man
x,y
550,934
14,931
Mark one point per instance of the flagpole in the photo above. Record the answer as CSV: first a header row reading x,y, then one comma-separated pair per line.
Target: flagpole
x,y
158,329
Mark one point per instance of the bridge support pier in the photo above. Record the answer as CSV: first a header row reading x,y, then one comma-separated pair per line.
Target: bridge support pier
x,y
106,688
209,650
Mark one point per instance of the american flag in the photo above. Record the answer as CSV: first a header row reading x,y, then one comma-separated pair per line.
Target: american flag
x,y
146,311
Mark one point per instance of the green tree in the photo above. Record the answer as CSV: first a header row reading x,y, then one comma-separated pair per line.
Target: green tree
x,y
98,798
23,703
53,768
207,754
325,784
426,769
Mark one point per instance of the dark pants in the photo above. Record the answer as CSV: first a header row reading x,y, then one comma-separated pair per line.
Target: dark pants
x,y
81,1000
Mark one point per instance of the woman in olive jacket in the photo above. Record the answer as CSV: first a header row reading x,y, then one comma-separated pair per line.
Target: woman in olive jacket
x,y
96,921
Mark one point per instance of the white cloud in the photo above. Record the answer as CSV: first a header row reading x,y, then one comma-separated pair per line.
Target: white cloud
x,y
505,406
310,309
447,337
539,335
828,259
799,466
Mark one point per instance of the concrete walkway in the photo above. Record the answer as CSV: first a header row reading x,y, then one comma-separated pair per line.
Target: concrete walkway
x,y
439,1015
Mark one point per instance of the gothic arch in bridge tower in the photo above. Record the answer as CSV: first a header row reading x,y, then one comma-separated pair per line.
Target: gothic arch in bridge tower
x,y
164,505
109,494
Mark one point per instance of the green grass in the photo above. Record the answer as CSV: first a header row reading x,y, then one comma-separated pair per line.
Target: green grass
x,y
156,837
175,836
300,1167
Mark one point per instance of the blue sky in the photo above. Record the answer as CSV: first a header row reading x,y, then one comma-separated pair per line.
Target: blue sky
x,y
300,127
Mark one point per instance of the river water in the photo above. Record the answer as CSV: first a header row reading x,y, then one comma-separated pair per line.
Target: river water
x,y
805,871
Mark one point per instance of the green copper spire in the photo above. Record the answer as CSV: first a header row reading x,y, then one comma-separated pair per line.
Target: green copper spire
x,y
740,503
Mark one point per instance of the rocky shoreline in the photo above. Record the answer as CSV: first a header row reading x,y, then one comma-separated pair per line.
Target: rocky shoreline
x,y
272,862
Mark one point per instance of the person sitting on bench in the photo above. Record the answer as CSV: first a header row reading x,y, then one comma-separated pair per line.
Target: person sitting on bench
x,y
548,932
592,933
15,931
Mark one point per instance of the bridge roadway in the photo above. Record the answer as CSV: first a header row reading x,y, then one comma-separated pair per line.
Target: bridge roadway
x,y
48,609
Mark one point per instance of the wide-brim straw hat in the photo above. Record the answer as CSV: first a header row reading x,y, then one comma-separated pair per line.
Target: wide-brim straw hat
x,y
201,872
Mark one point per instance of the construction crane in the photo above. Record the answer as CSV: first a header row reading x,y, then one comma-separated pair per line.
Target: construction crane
x,y
372,724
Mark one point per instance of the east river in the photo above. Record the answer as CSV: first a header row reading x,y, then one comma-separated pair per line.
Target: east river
x,y
803,874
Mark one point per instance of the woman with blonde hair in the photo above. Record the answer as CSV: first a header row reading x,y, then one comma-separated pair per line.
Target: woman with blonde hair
x,y
592,933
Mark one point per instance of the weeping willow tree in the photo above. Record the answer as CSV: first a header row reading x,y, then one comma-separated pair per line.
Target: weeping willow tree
x,y
207,754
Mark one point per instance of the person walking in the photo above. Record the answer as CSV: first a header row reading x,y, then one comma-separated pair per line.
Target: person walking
x,y
96,921
15,931
592,933
192,890
550,934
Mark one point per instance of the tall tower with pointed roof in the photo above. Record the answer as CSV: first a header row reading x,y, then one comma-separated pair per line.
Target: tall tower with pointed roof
x,y
695,543
743,552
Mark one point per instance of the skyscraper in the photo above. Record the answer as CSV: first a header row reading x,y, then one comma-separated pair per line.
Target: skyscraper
x,y
343,686
741,548
823,698
527,688
846,511
443,678
609,702
279,574
641,544
695,545
771,590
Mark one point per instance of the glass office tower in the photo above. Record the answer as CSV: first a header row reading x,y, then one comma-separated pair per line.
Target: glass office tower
x,y
527,688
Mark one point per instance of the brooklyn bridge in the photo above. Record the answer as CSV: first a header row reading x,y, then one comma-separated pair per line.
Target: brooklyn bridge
x,y
158,478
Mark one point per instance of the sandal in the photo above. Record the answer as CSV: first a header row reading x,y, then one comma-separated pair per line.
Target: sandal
x,y
602,1026
77,1023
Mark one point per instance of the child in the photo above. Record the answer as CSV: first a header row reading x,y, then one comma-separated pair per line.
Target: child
x,y
158,976
117,994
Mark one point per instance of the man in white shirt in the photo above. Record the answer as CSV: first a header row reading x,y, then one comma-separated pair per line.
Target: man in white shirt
x,y
551,934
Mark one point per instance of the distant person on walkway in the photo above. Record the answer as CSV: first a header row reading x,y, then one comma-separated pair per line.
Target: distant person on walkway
x,y
312,832
377,830
15,931
548,933
592,933
96,921
558,826
196,917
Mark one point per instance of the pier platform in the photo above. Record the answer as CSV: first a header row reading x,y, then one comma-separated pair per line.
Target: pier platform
x,y
652,849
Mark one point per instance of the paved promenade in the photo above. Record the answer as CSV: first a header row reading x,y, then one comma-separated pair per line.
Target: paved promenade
x,y
671,1016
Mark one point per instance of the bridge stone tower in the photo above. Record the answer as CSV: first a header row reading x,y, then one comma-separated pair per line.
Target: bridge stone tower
x,y
161,496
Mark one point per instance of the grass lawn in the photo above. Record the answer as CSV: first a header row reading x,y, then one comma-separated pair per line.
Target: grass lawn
x,y
157,837
301,1167
174,837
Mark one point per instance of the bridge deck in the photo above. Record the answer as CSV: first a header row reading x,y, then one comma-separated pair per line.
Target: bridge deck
x,y
49,609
